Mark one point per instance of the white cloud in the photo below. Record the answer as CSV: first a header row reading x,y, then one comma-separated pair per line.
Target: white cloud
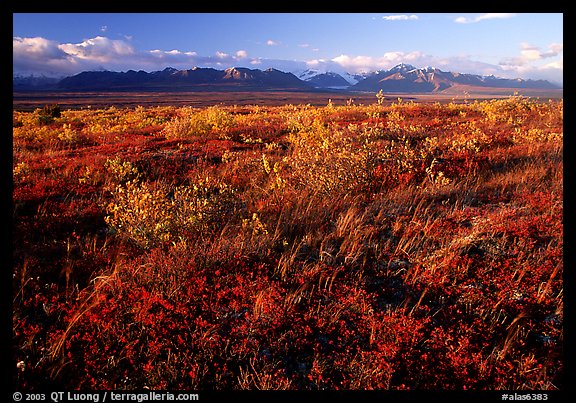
x,y
104,28
400,17
271,42
308,46
529,52
36,48
491,16
554,49
482,17
169,53
315,63
99,49
241,54
555,65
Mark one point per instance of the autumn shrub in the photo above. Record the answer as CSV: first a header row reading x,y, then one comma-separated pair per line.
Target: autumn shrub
x,y
302,118
122,171
201,123
154,213
179,126
327,160
47,114
20,170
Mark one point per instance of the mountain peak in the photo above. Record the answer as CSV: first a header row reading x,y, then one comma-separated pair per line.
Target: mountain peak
x,y
403,67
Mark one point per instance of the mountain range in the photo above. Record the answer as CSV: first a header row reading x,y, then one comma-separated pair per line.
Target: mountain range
x,y
407,78
402,78
195,79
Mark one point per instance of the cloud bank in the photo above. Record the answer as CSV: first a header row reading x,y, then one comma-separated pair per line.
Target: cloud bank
x,y
41,56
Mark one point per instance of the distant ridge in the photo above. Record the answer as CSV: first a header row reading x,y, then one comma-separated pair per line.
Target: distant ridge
x,y
407,78
180,80
403,78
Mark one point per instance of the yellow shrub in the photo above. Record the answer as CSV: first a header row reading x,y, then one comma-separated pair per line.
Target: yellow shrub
x,y
121,171
140,212
150,214
20,170
535,135
189,122
328,160
69,135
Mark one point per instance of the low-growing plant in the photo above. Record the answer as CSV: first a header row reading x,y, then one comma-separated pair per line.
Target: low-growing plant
x,y
326,160
154,213
47,114
201,123
20,170
122,171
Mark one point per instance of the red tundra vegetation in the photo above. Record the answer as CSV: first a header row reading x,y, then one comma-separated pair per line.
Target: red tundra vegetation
x,y
385,246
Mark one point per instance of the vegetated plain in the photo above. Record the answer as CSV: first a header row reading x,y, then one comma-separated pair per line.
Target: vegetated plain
x,y
385,245
29,101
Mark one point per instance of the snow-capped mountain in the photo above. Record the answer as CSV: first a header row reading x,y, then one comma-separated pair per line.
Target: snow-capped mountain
x,y
307,74
32,82
330,79
355,78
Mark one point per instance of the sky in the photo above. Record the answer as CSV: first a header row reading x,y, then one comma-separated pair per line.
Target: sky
x,y
509,45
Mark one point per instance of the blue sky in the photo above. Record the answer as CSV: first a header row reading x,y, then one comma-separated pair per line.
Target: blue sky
x,y
512,45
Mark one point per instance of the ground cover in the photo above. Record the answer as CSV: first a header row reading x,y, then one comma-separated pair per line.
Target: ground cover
x,y
383,245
